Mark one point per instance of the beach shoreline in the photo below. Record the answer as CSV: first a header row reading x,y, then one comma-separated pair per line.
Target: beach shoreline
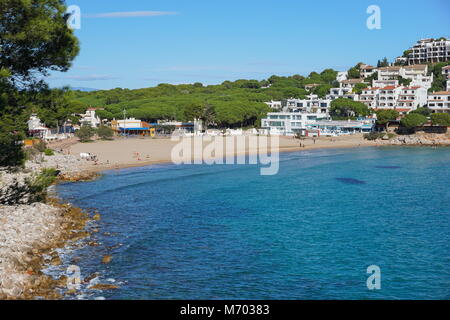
x,y
138,152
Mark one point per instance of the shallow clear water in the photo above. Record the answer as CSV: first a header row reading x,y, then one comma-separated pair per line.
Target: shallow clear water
x,y
310,232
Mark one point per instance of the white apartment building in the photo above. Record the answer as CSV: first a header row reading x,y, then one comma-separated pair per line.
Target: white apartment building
x,y
430,50
412,97
418,74
389,73
388,96
312,104
439,101
290,123
336,93
369,97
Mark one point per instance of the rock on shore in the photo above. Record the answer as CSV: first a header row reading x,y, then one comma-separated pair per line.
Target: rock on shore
x,y
24,230
29,231
419,139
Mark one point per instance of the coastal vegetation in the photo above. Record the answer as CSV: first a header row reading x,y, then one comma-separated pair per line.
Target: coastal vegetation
x,y
27,54
231,104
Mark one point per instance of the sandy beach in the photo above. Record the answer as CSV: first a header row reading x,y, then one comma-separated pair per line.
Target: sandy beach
x,y
137,151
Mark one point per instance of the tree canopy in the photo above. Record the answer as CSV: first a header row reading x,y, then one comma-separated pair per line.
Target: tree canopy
x,y
346,108
413,120
34,39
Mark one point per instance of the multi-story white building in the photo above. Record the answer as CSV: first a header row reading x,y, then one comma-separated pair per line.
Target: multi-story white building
x,y
388,96
412,97
336,93
439,101
430,50
312,104
402,99
369,96
389,73
418,74
290,123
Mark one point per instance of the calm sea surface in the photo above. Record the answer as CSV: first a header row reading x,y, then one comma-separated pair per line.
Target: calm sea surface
x,y
310,232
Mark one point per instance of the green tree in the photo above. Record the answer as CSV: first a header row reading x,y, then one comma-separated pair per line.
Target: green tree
x,y
85,133
34,39
441,119
384,116
346,108
413,120
105,133
354,73
425,111
383,63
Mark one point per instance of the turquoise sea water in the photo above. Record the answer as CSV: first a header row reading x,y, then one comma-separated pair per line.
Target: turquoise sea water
x,y
310,232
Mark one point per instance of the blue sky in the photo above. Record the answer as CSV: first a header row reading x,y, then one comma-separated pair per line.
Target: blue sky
x,y
211,41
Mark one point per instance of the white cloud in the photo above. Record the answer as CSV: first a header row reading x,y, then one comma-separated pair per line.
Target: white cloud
x,y
129,14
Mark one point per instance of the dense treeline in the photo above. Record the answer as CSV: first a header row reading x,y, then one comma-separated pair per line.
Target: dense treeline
x,y
231,104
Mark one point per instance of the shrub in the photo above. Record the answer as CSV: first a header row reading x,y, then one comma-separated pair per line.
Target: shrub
x,y
49,152
85,133
105,133
441,119
373,135
38,186
413,120
41,146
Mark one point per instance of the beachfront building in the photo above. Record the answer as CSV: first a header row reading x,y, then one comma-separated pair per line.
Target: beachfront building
x,y
429,50
90,118
338,128
439,102
36,128
290,123
132,126
181,128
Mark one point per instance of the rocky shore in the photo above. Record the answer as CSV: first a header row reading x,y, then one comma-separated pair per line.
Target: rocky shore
x,y
418,139
32,230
